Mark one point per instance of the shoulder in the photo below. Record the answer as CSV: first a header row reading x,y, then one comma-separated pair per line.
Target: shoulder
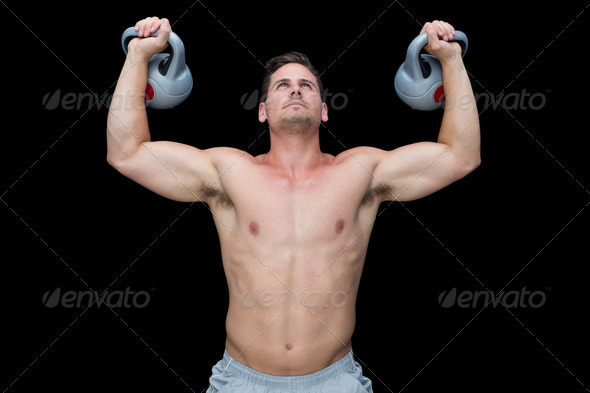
x,y
227,152
225,157
366,156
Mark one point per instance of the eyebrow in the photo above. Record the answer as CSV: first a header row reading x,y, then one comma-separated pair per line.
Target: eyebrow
x,y
289,80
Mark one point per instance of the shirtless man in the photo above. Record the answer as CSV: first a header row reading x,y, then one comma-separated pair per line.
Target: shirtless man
x,y
294,223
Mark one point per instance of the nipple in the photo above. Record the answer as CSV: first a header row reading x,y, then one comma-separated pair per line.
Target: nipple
x,y
339,226
254,228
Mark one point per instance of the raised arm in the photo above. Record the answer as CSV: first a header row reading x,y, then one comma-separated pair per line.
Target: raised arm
x,y
419,169
173,170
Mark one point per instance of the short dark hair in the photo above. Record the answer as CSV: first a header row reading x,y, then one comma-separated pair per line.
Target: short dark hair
x,y
290,57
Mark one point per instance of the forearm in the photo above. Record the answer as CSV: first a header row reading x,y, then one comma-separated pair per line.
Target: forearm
x,y
127,123
460,124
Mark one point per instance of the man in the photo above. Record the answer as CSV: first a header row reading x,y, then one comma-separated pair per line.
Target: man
x,y
294,223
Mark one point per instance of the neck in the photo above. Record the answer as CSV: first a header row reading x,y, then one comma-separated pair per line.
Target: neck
x,y
295,153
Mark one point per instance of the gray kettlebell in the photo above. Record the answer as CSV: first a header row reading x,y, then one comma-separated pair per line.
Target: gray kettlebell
x,y
418,81
169,80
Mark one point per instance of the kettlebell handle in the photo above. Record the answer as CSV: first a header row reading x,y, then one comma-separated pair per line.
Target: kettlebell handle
x,y
175,63
414,63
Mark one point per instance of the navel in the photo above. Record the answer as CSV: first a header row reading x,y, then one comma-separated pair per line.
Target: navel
x,y
254,228
289,347
339,226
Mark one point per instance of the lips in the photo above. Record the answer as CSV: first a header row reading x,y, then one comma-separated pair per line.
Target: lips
x,y
294,103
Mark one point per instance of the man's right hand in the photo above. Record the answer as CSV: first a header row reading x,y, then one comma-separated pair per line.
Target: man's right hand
x,y
440,33
145,46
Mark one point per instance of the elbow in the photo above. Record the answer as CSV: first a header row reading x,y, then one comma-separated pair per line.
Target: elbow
x,y
475,163
111,160
115,161
470,165
465,164
119,156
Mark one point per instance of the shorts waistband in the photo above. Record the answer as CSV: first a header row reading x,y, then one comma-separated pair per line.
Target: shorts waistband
x,y
290,382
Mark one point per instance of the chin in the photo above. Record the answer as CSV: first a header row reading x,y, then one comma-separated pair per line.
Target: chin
x,y
296,124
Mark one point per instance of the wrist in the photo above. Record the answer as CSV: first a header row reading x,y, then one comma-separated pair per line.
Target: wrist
x,y
135,59
136,55
455,61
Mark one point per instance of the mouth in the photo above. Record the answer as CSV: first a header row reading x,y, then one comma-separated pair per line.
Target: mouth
x,y
294,103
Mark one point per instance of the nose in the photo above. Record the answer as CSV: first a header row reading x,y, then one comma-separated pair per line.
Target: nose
x,y
296,91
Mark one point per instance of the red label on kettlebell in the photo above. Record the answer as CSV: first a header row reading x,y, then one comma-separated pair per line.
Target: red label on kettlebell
x,y
149,92
439,95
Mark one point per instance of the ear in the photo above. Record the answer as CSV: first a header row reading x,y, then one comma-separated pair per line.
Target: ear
x,y
324,111
262,112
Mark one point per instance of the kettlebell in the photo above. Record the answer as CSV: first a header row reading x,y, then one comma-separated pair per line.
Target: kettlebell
x,y
169,79
418,81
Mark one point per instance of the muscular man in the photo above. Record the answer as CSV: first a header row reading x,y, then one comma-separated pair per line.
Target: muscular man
x,y
294,223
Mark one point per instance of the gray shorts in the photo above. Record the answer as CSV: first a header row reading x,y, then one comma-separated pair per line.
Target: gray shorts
x,y
344,376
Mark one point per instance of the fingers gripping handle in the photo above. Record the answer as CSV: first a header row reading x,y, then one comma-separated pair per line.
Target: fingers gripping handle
x,y
175,63
413,55
462,40
130,34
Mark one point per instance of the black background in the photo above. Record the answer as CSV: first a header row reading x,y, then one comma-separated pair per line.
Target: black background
x,y
70,221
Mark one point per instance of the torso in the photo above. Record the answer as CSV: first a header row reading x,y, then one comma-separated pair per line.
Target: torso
x,y
302,241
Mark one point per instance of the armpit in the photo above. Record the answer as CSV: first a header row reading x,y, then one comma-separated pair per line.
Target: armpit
x,y
377,193
216,197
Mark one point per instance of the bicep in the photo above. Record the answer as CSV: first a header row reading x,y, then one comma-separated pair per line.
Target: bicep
x,y
173,170
417,170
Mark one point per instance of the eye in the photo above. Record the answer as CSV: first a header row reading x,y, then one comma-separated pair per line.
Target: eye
x,y
306,85
281,85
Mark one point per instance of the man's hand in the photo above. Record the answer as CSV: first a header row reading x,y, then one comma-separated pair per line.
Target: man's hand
x,y
439,35
147,46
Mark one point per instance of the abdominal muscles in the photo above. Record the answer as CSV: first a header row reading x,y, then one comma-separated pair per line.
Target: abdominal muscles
x,y
292,296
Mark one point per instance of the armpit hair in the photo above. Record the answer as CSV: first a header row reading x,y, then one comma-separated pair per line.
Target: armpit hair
x,y
378,192
216,197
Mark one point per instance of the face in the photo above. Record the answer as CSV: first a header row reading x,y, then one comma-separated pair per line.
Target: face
x,y
293,100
